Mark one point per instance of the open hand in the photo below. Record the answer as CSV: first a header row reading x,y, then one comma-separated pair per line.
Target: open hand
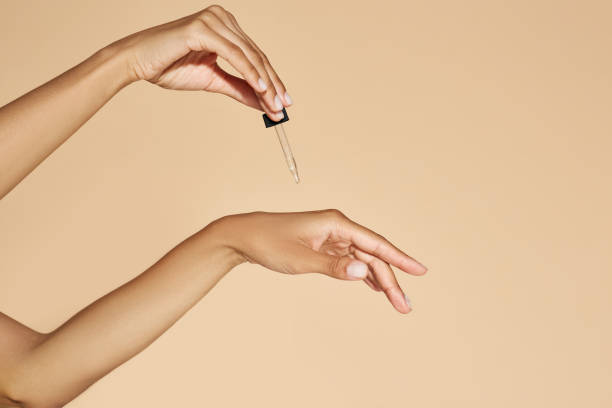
x,y
324,242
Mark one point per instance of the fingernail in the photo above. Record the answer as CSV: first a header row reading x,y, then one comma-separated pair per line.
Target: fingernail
x,y
357,270
262,84
408,302
278,103
288,99
277,116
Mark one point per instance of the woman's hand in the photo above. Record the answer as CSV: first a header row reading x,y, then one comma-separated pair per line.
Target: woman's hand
x,y
47,369
178,55
324,242
182,55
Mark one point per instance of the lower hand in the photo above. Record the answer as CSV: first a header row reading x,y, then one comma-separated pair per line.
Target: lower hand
x,y
325,242
182,55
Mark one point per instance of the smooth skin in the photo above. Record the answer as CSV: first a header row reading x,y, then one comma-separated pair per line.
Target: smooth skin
x,y
179,55
41,370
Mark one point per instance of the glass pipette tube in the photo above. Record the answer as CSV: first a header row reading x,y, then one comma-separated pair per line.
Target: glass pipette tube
x,y
282,138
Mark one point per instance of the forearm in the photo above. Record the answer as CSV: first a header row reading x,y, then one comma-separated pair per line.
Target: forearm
x,y
34,125
121,324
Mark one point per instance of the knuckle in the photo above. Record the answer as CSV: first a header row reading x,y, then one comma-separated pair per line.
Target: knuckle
x,y
377,248
196,26
214,8
258,59
252,71
206,16
334,213
376,263
234,51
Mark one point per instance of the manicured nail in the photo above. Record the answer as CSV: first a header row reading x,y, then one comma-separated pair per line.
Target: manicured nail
x,y
262,84
277,116
288,99
357,270
408,301
278,103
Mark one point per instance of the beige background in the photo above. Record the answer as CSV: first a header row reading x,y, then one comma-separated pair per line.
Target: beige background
x,y
474,134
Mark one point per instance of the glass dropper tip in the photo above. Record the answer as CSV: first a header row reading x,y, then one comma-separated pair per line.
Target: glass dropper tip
x,y
284,142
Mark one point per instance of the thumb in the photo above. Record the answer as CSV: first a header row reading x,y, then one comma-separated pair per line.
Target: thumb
x,y
348,268
234,87
339,267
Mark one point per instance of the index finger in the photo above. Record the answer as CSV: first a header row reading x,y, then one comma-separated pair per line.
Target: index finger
x,y
377,245
278,83
232,53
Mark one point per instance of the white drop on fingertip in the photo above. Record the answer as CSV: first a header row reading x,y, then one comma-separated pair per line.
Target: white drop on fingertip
x,y
357,270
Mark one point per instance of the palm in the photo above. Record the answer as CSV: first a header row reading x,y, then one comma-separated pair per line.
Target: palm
x,y
198,71
195,71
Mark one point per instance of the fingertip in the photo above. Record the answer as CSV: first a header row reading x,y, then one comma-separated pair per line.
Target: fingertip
x,y
405,307
402,308
276,116
422,271
408,304
399,300
423,267
356,270
278,104
415,268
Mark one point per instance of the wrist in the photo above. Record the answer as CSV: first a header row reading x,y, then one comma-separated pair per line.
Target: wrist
x,y
114,59
216,241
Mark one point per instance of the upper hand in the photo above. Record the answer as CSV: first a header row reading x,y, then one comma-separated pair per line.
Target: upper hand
x,y
324,242
182,55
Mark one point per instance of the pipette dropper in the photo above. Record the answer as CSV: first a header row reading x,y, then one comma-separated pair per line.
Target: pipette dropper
x,y
284,142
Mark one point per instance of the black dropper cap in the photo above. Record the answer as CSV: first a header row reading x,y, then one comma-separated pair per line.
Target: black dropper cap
x,y
269,122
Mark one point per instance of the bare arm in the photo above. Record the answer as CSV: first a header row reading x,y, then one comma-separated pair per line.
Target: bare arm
x,y
49,370
61,364
178,55
16,341
33,126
